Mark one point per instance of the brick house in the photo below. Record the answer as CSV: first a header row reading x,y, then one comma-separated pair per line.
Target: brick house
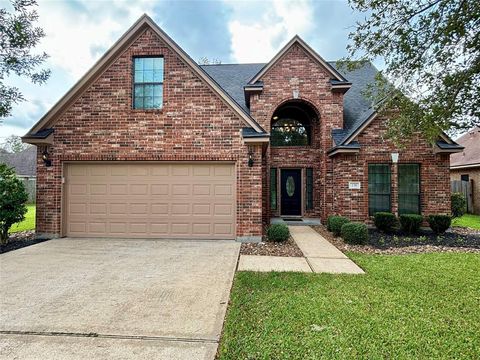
x,y
149,144
465,166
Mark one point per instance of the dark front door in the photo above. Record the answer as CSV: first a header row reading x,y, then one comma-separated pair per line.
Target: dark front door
x,y
291,192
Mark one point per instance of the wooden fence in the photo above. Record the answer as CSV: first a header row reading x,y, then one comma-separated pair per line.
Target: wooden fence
x,y
465,188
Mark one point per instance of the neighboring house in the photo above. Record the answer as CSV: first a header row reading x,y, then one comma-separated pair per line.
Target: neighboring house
x,y
465,165
25,165
150,144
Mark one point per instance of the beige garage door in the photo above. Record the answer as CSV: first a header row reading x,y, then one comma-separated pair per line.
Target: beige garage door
x,y
150,200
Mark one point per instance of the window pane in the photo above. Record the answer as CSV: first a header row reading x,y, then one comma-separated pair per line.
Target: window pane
x,y
148,76
157,102
379,186
147,63
148,102
138,90
273,188
148,90
138,63
148,70
309,189
138,76
289,132
408,189
138,103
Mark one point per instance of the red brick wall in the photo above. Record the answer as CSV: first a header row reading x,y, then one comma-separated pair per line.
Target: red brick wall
x,y
375,148
296,70
194,124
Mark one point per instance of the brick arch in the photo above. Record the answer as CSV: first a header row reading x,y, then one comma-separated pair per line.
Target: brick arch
x,y
286,100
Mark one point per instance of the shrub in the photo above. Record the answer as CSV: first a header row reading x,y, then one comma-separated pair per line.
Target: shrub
x,y
410,223
335,223
385,221
329,219
355,233
278,232
459,204
439,223
12,201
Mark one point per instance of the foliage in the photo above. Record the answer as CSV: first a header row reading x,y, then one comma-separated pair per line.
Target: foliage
x,y
388,313
431,51
355,233
278,232
459,204
14,144
206,61
385,221
18,36
28,223
439,223
410,223
12,201
335,223
468,220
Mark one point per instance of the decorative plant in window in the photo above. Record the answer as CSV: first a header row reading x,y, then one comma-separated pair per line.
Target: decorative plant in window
x,y
289,132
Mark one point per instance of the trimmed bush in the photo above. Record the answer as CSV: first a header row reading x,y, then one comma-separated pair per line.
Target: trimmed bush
x,y
335,223
355,233
329,219
385,221
278,232
410,223
459,204
439,223
12,201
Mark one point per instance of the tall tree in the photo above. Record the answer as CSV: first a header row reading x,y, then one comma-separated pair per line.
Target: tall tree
x,y
14,144
18,37
431,50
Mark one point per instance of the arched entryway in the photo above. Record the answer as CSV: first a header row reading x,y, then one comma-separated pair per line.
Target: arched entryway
x,y
294,159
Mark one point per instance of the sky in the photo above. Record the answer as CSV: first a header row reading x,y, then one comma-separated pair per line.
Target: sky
x,y
79,32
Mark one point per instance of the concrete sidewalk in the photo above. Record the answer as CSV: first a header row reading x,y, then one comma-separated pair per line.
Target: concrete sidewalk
x,y
320,256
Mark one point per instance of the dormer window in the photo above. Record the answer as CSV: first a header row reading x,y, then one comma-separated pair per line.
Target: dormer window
x,y
148,83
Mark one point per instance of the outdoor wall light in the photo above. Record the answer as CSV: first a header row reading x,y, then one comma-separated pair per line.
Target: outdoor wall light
x,y
395,158
250,159
46,158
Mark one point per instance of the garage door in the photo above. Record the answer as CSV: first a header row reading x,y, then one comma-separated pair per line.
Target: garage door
x,y
150,200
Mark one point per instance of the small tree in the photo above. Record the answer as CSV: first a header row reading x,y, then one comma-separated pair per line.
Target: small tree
x,y
12,201
14,144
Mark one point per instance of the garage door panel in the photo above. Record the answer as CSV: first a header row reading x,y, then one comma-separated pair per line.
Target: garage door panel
x,y
151,200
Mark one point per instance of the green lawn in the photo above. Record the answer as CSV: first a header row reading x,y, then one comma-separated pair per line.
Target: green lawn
x,y
422,306
467,220
28,223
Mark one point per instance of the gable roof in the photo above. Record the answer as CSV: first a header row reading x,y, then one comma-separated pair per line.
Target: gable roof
x,y
143,23
24,162
356,108
470,156
297,40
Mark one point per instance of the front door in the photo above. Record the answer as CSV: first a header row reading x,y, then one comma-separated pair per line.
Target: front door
x,y
291,192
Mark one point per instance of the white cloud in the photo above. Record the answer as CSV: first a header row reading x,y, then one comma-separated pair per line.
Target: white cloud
x,y
74,35
258,41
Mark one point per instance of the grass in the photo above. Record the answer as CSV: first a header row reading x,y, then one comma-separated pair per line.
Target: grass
x,y
467,220
421,306
28,223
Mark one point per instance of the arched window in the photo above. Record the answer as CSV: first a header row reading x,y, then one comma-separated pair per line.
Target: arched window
x,y
291,125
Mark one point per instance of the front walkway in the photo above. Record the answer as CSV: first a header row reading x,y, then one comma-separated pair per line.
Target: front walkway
x,y
320,256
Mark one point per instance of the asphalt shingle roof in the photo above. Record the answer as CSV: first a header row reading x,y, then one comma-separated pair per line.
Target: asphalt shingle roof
x,y
233,77
24,162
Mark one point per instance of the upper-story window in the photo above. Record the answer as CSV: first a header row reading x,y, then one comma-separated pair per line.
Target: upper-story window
x,y
148,82
291,125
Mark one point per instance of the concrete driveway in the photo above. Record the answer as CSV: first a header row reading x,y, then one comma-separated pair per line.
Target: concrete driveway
x,y
116,299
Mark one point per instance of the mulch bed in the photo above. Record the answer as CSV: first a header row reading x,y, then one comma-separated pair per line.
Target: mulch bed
x,y
454,240
19,240
270,248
